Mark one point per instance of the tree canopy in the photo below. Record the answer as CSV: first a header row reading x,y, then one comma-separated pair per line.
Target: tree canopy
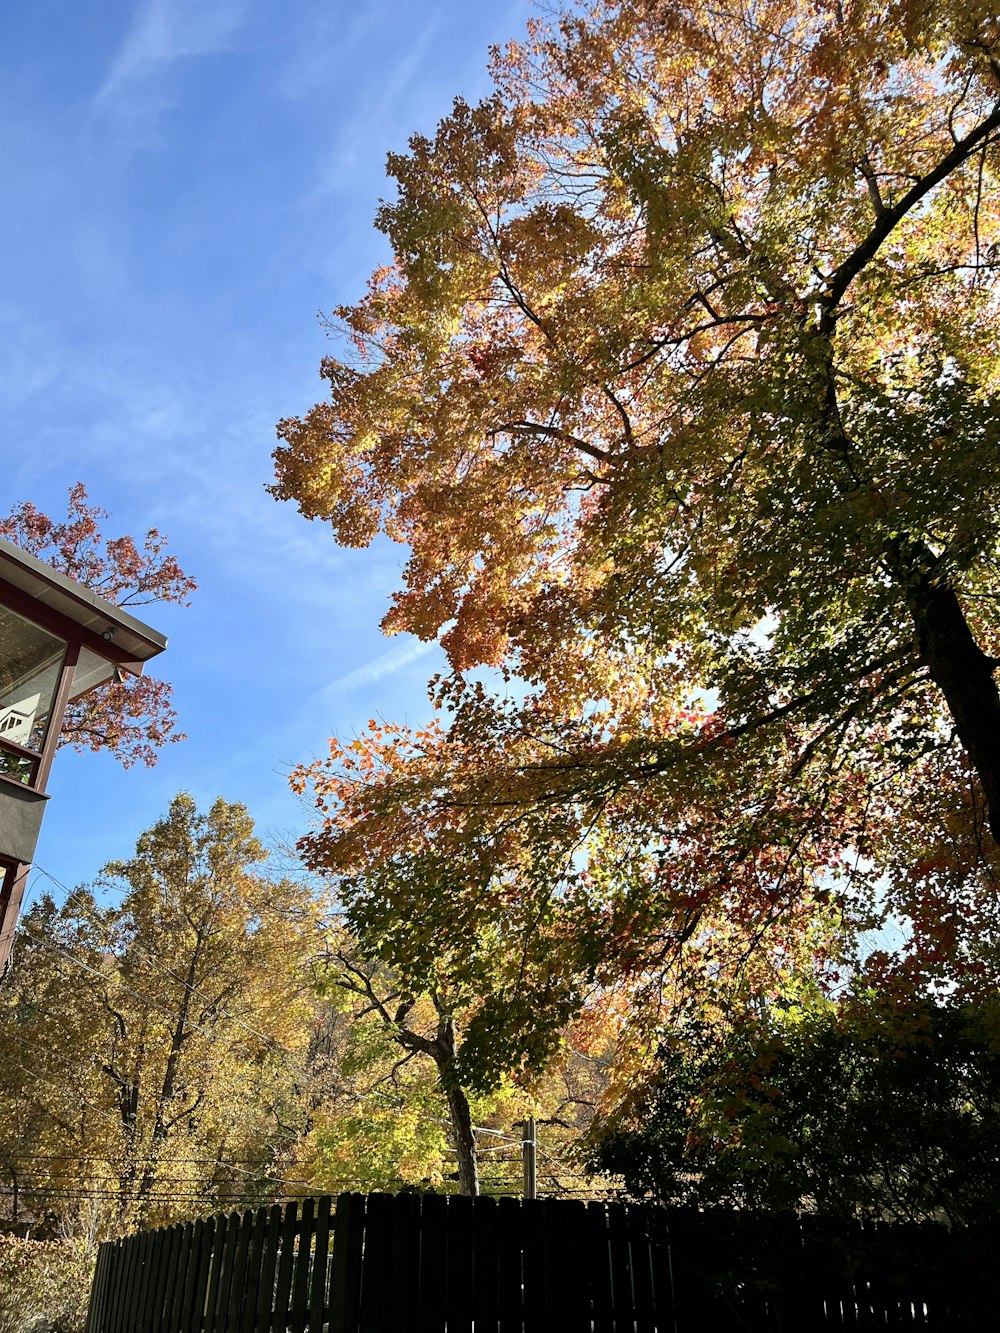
x,y
153,1037
193,1032
681,389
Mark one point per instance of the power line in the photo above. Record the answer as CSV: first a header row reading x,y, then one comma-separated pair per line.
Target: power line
x,y
84,1157
168,972
143,999
117,1122
103,976
230,1017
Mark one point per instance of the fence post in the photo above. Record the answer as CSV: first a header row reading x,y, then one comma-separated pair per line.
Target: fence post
x,y
529,1153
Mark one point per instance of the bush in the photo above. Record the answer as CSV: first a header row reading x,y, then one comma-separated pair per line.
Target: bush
x,y
876,1109
44,1285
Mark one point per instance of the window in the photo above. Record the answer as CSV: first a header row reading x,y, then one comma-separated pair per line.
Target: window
x,y
30,665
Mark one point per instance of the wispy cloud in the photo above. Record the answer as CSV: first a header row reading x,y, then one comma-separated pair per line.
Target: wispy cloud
x,y
386,664
163,32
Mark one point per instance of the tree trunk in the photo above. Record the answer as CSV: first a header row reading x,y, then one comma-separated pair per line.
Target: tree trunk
x,y
958,666
465,1139
441,1049
458,1103
178,1040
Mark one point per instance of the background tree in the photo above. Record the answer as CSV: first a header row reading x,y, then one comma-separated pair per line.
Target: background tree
x,y
375,1119
153,1047
878,1109
417,1025
681,389
131,718
412,1097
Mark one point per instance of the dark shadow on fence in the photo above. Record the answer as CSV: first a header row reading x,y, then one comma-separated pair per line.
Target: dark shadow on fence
x,y
412,1263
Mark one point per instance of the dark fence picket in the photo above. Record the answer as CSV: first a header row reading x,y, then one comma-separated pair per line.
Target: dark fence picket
x,y
120,1257
203,1245
911,1240
459,1270
286,1260
683,1267
888,1278
147,1295
178,1282
236,1298
825,1293
566,1276
254,1269
270,1242
622,1295
300,1276
133,1283
217,1304
749,1236
127,1283
109,1254
377,1267
319,1292
641,1223
533,1312
150,1269
596,1255
214,1275
224,1308
660,1266
953,1278
160,1259
792,1299
404,1249
163,1279
110,1287
105,1318
99,1301
509,1265
485,1267
433,1260
137,1281
345,1279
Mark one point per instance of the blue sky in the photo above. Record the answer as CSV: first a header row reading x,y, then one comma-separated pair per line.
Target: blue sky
x,y
189,183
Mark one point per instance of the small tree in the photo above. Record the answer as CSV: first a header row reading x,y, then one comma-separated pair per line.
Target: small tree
x,y
409,1048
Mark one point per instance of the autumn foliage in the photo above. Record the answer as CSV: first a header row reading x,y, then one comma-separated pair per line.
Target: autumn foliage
x,y
681,391
132,718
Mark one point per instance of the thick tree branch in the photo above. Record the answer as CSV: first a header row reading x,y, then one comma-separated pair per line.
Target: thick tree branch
x,y
886,221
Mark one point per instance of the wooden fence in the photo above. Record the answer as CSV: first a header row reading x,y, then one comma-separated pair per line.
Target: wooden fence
x,y
434,1264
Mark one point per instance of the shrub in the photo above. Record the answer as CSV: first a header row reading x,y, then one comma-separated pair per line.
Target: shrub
x,y
44,1285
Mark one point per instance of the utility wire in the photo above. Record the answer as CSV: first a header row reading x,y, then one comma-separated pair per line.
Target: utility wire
x,y
107,1115
144,999
230,1017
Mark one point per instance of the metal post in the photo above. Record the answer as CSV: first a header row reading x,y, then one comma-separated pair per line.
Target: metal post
x,y
529,1146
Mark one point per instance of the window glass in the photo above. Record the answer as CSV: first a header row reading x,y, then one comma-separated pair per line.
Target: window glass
x,y
30,663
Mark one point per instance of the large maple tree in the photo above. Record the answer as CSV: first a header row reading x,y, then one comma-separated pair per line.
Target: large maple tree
x,y
681,389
